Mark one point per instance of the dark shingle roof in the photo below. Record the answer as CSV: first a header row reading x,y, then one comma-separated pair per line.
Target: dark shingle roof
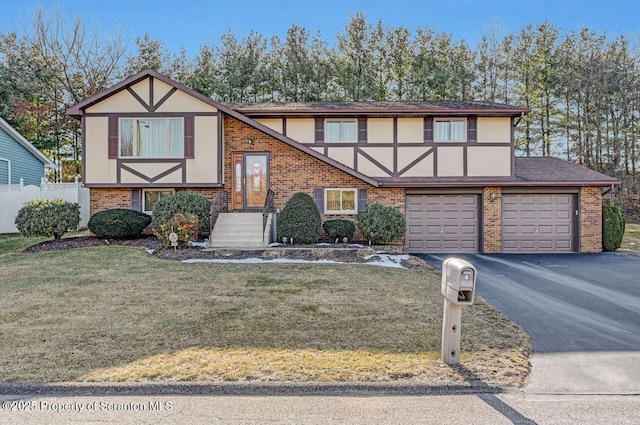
x,y
373,108
536,171
550,169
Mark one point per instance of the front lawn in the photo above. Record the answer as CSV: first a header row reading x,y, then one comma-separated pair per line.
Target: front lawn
x,y
116,313
631,238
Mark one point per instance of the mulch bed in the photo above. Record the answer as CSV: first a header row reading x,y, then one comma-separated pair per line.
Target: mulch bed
x,y
150,242
338,252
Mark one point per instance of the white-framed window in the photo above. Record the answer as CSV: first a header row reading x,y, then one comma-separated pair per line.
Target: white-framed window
x,y
340,201
341,131
151,137
151,196
450,130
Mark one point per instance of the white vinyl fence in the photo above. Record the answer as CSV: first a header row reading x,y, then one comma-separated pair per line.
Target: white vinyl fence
x,y
14,196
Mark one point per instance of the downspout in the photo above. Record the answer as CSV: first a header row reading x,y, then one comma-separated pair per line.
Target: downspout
x,y
8,169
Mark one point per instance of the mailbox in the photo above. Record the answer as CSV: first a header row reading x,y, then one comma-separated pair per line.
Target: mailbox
x,y
458,281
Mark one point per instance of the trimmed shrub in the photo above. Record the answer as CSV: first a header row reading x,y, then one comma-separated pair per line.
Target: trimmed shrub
x,y
339,229
300,220
613,224
118,223
48,218
381,224
185,203
185,226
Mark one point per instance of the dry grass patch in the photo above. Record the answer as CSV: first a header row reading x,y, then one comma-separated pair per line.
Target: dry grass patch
x,y
631,239
117,314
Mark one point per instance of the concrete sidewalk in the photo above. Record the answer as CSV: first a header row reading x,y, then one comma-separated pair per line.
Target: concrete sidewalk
x,y
510,408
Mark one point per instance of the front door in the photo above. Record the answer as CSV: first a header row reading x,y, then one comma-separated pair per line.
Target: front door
x,y
250,180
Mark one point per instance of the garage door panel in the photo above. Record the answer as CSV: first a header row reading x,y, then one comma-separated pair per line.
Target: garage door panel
x,y
545,215
538,223
449,223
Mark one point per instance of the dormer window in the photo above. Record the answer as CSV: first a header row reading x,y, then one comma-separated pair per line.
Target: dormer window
x,y
450,130
151,137
341,131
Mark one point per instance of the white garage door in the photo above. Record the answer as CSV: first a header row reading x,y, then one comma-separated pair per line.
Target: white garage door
x,y
442,223
538,223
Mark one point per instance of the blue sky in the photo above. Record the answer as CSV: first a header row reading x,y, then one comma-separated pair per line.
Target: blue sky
x,y
191,22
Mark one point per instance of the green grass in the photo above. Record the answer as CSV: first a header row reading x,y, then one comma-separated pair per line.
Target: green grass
x,y
118,314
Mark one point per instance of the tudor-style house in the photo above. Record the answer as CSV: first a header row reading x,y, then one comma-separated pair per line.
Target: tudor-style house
x,y
450,166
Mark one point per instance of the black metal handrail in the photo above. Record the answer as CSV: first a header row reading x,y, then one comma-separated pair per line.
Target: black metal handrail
x,y
268,208
219,205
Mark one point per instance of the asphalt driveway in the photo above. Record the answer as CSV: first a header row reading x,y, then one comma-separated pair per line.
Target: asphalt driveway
x,y
581,310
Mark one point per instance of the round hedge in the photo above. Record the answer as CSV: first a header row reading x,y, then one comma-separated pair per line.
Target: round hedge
x,y
118,223
339,229
183,202
381,224
48,217
300,220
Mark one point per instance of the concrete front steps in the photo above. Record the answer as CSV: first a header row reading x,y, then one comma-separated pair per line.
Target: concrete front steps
x,y
240,230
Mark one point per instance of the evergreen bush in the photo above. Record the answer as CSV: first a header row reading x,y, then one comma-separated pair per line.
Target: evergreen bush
x,y
46,217
300,220
185,203
339,229
613,224
381,224
118,223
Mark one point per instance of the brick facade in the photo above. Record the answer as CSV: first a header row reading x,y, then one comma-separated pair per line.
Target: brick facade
x,y
590,200
109,198
295,171
491,220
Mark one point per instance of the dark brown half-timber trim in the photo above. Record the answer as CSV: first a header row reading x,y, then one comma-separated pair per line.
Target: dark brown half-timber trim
x,y
122,165
464,161
113,138
152,83
220,147
395,146
375,162
189,137
284,126
164,98
139,99
149,185
415,162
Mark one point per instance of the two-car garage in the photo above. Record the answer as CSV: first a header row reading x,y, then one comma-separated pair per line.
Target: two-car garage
x,y
530,222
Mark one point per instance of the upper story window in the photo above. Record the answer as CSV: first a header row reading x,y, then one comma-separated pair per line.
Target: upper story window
x,y
450,130
341,131
151,137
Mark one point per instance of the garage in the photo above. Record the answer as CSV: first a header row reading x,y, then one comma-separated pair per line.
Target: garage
x,y
534,223
443,223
